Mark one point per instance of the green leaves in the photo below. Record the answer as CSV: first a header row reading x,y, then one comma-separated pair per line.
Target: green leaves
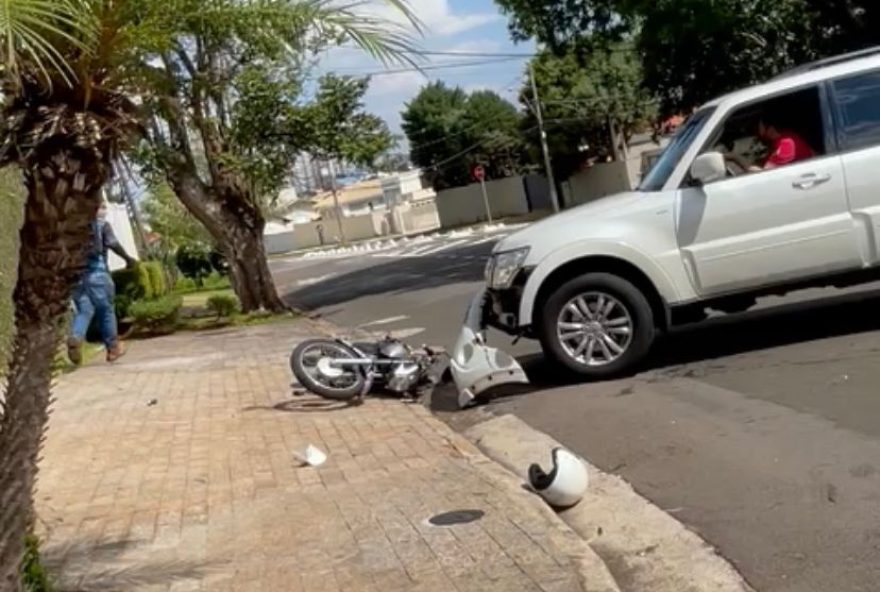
x,y
37,36
580,95
169,219
450,131
339,127
694,50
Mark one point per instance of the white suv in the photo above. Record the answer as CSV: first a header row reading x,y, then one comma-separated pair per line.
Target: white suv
x,y
719,220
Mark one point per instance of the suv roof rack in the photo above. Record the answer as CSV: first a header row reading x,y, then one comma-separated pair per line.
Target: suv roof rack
x,y
831,61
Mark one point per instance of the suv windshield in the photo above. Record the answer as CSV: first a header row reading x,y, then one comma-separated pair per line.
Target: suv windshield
x,y
662,169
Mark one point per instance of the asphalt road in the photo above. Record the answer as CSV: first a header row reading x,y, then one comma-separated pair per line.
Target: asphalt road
x,y
760,431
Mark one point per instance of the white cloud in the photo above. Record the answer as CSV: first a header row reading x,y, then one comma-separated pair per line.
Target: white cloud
x,y
446,30
435,15
475,46
402,84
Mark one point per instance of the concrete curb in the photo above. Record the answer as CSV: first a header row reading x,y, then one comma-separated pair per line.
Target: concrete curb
x,y
593,574
643,546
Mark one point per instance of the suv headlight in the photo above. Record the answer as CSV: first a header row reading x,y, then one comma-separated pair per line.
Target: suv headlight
x,y
503,267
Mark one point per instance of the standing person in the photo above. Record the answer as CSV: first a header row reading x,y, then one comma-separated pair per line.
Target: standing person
x,y
95,293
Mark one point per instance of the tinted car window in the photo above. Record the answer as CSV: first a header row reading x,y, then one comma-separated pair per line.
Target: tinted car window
x,y
858,106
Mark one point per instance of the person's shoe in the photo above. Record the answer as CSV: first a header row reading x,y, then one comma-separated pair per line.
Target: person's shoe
x,y
116,351
75,351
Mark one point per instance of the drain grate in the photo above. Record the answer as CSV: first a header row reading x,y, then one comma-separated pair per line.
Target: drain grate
x,y
456,517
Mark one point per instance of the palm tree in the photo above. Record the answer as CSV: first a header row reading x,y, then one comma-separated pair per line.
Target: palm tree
x,y
73,74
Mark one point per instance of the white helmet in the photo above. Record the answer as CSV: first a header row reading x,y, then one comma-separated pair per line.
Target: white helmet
x,y
565,485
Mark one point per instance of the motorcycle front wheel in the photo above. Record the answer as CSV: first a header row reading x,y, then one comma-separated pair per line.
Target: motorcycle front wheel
x,y
309,363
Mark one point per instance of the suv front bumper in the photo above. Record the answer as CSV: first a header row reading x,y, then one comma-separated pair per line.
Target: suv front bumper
x,y
475,366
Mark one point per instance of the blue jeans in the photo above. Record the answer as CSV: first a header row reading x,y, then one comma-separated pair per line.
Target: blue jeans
x,y
94,296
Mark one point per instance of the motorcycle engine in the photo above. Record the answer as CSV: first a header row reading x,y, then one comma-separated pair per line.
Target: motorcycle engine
x,y
403,377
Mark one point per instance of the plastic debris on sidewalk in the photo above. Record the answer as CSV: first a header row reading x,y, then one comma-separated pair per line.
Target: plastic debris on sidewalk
x,y
311,456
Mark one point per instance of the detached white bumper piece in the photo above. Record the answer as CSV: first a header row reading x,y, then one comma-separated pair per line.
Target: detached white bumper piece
x,y
475,366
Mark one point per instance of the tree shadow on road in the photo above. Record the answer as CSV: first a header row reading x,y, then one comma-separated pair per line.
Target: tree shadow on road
x,y
692,350
397,275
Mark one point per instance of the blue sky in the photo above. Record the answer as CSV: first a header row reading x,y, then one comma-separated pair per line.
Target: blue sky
x,y
451,25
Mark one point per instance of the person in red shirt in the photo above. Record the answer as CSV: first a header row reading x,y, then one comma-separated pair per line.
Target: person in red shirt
x,y
786,147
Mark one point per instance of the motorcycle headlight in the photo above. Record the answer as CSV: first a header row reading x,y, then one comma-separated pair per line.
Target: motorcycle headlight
x,y
503,267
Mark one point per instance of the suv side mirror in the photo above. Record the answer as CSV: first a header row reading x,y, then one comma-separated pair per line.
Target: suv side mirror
x,y
708,167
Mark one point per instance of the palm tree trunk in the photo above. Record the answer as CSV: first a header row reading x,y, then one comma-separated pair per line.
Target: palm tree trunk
x,y
63,195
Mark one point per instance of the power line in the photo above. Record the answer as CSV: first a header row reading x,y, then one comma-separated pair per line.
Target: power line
x,y
461,54
472,54
446,66
468,150
497,54
453,135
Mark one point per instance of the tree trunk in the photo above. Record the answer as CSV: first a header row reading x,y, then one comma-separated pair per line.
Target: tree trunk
x,y
252,281
63,197
237,227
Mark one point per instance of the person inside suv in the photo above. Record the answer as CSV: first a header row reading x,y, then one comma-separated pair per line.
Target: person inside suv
x,y
785,146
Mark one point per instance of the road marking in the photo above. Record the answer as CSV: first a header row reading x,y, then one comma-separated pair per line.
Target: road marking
x,y
315,280
421,251
404,333
487,240
436,249
386,321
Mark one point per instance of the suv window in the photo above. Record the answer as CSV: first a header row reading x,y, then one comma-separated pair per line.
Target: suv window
x,y
668,159
858,108
772,133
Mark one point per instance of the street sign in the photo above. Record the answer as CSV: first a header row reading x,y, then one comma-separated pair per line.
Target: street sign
x,y
479,172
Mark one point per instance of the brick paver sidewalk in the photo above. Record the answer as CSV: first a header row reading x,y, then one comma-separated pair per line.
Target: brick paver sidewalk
x,y
199,490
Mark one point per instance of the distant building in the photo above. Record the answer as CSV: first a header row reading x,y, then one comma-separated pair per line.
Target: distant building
x,y
373,195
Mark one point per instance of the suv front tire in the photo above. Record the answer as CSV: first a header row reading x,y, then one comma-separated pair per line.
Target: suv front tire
x,y
597,325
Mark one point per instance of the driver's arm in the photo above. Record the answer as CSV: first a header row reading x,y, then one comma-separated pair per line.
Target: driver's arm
x,y
741,162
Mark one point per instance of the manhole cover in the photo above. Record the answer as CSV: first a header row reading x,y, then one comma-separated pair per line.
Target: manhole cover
x,y
456,517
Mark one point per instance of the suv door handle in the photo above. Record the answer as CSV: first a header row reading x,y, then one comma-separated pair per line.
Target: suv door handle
x,y
811,180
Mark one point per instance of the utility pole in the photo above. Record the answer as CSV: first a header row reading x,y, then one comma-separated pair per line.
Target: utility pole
x,y
548,165
342,239
124,175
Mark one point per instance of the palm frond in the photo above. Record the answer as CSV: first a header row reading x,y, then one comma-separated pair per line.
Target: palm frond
x,y
33,34
386,40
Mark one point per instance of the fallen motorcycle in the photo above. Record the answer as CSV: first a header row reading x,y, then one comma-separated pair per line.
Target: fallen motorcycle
x,y
338,369
341,370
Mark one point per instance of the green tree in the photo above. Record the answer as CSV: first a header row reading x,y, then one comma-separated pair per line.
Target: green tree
x,y
432,124
693,50
564,25
220,82
450,132
72,70
340,129
168,218
583,100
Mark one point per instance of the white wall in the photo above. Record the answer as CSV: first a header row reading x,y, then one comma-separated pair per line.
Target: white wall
x,y
465,205
415,217
355,227
597,181
281,242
